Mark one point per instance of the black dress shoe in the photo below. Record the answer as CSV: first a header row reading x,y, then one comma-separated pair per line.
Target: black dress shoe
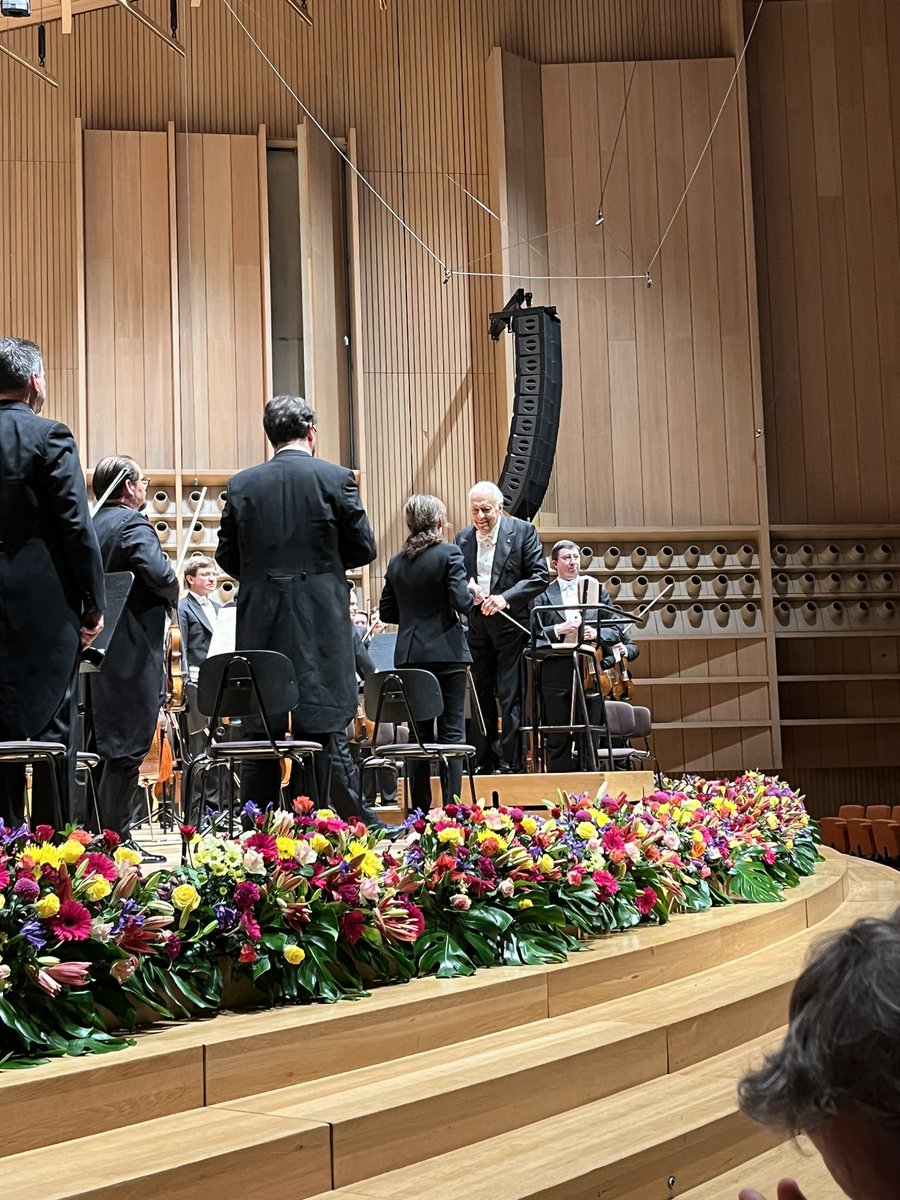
x,y
486,769
146,856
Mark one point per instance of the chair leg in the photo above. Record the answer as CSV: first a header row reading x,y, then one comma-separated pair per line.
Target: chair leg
x,y
471,775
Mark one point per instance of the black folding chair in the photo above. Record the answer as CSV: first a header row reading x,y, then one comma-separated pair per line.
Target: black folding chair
x,y
408,694
251,683
29,753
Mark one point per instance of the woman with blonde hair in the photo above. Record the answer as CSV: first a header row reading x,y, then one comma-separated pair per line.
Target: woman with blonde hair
x,y
425,594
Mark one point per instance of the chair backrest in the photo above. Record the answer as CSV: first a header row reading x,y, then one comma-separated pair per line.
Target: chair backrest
x,y
406,693
619,718
643,725
230,679
878,812
851,810
859,835
834,834
885,834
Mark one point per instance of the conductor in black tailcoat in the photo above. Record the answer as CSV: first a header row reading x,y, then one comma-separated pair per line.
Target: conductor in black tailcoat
x,y
425,593
290,529
503,556
51,582
124,699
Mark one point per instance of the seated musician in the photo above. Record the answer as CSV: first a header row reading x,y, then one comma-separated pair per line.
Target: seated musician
x,y
562,625
197,613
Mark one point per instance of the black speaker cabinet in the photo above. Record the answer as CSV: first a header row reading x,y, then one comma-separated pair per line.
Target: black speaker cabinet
x,y
535,421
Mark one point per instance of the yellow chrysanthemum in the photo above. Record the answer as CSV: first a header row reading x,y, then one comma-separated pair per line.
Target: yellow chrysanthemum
x,y
452,835
370,864
586,830
45,853
526,903
319,842
294,954
186,896
70,851
125,856
47,906
529,825
98,888
287,847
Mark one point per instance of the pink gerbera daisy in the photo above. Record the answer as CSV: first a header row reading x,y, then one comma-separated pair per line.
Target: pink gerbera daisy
x,y
72,923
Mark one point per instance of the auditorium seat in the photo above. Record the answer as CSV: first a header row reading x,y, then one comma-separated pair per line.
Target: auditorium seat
x,y
859,835
887,844
834,834
851,810
878,812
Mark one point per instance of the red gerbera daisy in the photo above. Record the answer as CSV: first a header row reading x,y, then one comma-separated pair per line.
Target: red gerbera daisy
x,y
72,923
99,864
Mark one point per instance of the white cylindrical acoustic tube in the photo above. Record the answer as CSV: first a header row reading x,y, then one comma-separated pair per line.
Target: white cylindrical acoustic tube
x,y
693,586
723,613
664,556
666,581
614,586
858,581
745,554
835,612
639,587
857,553
830,554
194,498
779,582
587,552
668,614
611,557
162,530
779,554
747,584
805,553
692,556
883,553
832,582
197,532
695,615
807,582
720,585
809,612
638,557
886,609
748,613
883,582
783,613
862,609
221,498
226,591
160,502
718,555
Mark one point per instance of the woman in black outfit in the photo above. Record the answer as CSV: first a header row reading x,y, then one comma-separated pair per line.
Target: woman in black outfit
x,y
425,593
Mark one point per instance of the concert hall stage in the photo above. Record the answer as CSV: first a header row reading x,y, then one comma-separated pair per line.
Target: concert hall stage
x,y
530,791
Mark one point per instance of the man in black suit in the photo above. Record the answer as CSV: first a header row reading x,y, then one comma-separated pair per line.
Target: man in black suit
x,y
290,529
503,556
124,698
197,614
564,625
51,581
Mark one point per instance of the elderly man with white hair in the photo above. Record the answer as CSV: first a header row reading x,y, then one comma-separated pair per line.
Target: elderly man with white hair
x,y
506,565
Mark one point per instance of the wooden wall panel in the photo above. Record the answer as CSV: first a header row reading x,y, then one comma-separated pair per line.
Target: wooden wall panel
x,y
825,78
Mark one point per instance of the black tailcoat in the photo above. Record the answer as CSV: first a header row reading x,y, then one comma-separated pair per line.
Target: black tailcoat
x,y
290,529
196,629
50,568
425,596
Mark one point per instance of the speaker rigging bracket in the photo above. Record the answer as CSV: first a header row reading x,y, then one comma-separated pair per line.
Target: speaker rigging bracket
x,y
501,320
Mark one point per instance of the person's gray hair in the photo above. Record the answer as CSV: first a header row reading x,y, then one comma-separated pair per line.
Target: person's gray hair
x,y
287,419
107,469
19,360
842,1047
424,516
492,490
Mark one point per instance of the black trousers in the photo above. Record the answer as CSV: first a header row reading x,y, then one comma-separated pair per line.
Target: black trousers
x,y
52,784
116,788
497,650
193,725
451,727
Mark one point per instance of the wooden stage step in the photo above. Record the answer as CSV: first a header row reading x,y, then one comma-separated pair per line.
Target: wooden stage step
x,y
530,791
587,1078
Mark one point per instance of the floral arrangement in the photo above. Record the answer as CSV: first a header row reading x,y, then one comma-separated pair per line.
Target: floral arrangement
x,y
302,906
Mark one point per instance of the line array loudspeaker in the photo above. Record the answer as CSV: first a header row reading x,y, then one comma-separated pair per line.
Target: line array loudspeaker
x,y
536,407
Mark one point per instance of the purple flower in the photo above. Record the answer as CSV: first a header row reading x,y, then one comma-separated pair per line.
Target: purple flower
x,y
251,810
226,916
164,891
33,934
173,946
246,895
26,889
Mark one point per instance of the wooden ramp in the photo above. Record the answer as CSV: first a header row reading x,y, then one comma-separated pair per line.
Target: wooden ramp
x,y
611,1075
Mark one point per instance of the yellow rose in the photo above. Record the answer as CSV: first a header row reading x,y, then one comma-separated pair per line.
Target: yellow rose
x,y
98,889
529,825
804,820
453,835
70,851
125,855
325,814
603,819
640,830
294,954
585,830
47,906
789,844
772,821
545,863
526,903
186,896
319,842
